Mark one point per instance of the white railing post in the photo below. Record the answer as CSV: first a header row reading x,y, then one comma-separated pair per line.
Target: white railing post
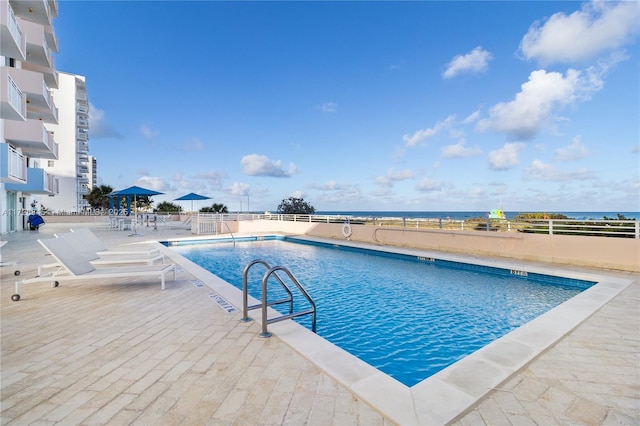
x,y
550,227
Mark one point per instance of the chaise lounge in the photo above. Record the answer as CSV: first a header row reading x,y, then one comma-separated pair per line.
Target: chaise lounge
x,y
75,267
92,242
97,260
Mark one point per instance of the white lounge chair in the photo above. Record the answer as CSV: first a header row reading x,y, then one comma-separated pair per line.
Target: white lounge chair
x,y
76,267
91,241
95,259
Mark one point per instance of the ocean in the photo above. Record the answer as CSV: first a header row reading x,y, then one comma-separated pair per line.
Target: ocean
x,y
476,214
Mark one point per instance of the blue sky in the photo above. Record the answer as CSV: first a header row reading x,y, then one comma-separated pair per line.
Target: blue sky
x,y
416,106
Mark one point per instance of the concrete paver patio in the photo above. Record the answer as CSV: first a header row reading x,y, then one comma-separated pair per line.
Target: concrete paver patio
x,y
126,352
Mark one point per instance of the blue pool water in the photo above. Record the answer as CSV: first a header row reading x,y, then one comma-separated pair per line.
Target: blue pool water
x,y
409,317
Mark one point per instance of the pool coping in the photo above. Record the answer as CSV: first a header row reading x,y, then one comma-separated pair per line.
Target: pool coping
x,y
450,393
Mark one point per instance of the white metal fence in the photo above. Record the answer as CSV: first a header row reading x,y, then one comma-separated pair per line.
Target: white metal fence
x,y
207,223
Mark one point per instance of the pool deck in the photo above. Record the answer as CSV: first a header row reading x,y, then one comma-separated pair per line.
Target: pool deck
x,y
126,352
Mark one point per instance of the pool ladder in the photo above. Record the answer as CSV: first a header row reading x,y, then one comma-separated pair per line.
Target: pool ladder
x,y
271,271
230,233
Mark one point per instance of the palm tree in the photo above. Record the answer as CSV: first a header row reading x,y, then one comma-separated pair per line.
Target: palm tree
x,y
98,198
215,208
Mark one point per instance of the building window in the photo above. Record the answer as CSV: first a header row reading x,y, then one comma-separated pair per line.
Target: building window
x,y
50,163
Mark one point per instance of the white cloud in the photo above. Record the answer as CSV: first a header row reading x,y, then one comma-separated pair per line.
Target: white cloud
x,y
471,117
599,26
187,184
99,127
330,186
397,65
475,61
260,165
298,194
548,172
328,107
428,185
505,157
575,151
238,188
214,179
458,150
392,176
155,183
421,135
333,185
195,145
147,133
523,117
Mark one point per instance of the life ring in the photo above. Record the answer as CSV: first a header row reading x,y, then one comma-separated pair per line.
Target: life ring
x,y
346,230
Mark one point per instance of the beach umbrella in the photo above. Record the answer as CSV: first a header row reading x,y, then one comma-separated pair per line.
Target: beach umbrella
x,y
135,191
191,197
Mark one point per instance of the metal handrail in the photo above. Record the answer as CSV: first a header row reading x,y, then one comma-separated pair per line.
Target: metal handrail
x,y
266,321
230,232
245,292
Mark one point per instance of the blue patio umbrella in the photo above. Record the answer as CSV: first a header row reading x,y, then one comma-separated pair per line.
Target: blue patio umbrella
x,y
191,197
135,191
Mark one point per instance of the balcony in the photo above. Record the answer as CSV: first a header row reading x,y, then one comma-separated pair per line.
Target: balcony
x,y
82,108
81,96
48,71
41,12
13,43
13,165
38,51
46,115
52,40
82,135
82,121
40,105
13,103
32,137
38,182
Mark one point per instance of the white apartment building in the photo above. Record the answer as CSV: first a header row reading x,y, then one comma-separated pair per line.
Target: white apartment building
x,y
38,137
72,167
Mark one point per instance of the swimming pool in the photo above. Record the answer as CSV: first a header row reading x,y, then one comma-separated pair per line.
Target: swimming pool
x,y
409,316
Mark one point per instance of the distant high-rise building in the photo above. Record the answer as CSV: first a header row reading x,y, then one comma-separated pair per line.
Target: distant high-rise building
x,y
72,167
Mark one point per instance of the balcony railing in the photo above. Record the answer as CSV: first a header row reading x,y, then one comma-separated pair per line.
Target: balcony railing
x,y
84,109
15,97
14,163
38,182
14,27
12,35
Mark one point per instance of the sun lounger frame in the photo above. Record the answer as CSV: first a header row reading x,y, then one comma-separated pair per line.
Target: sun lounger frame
x,y
75,267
